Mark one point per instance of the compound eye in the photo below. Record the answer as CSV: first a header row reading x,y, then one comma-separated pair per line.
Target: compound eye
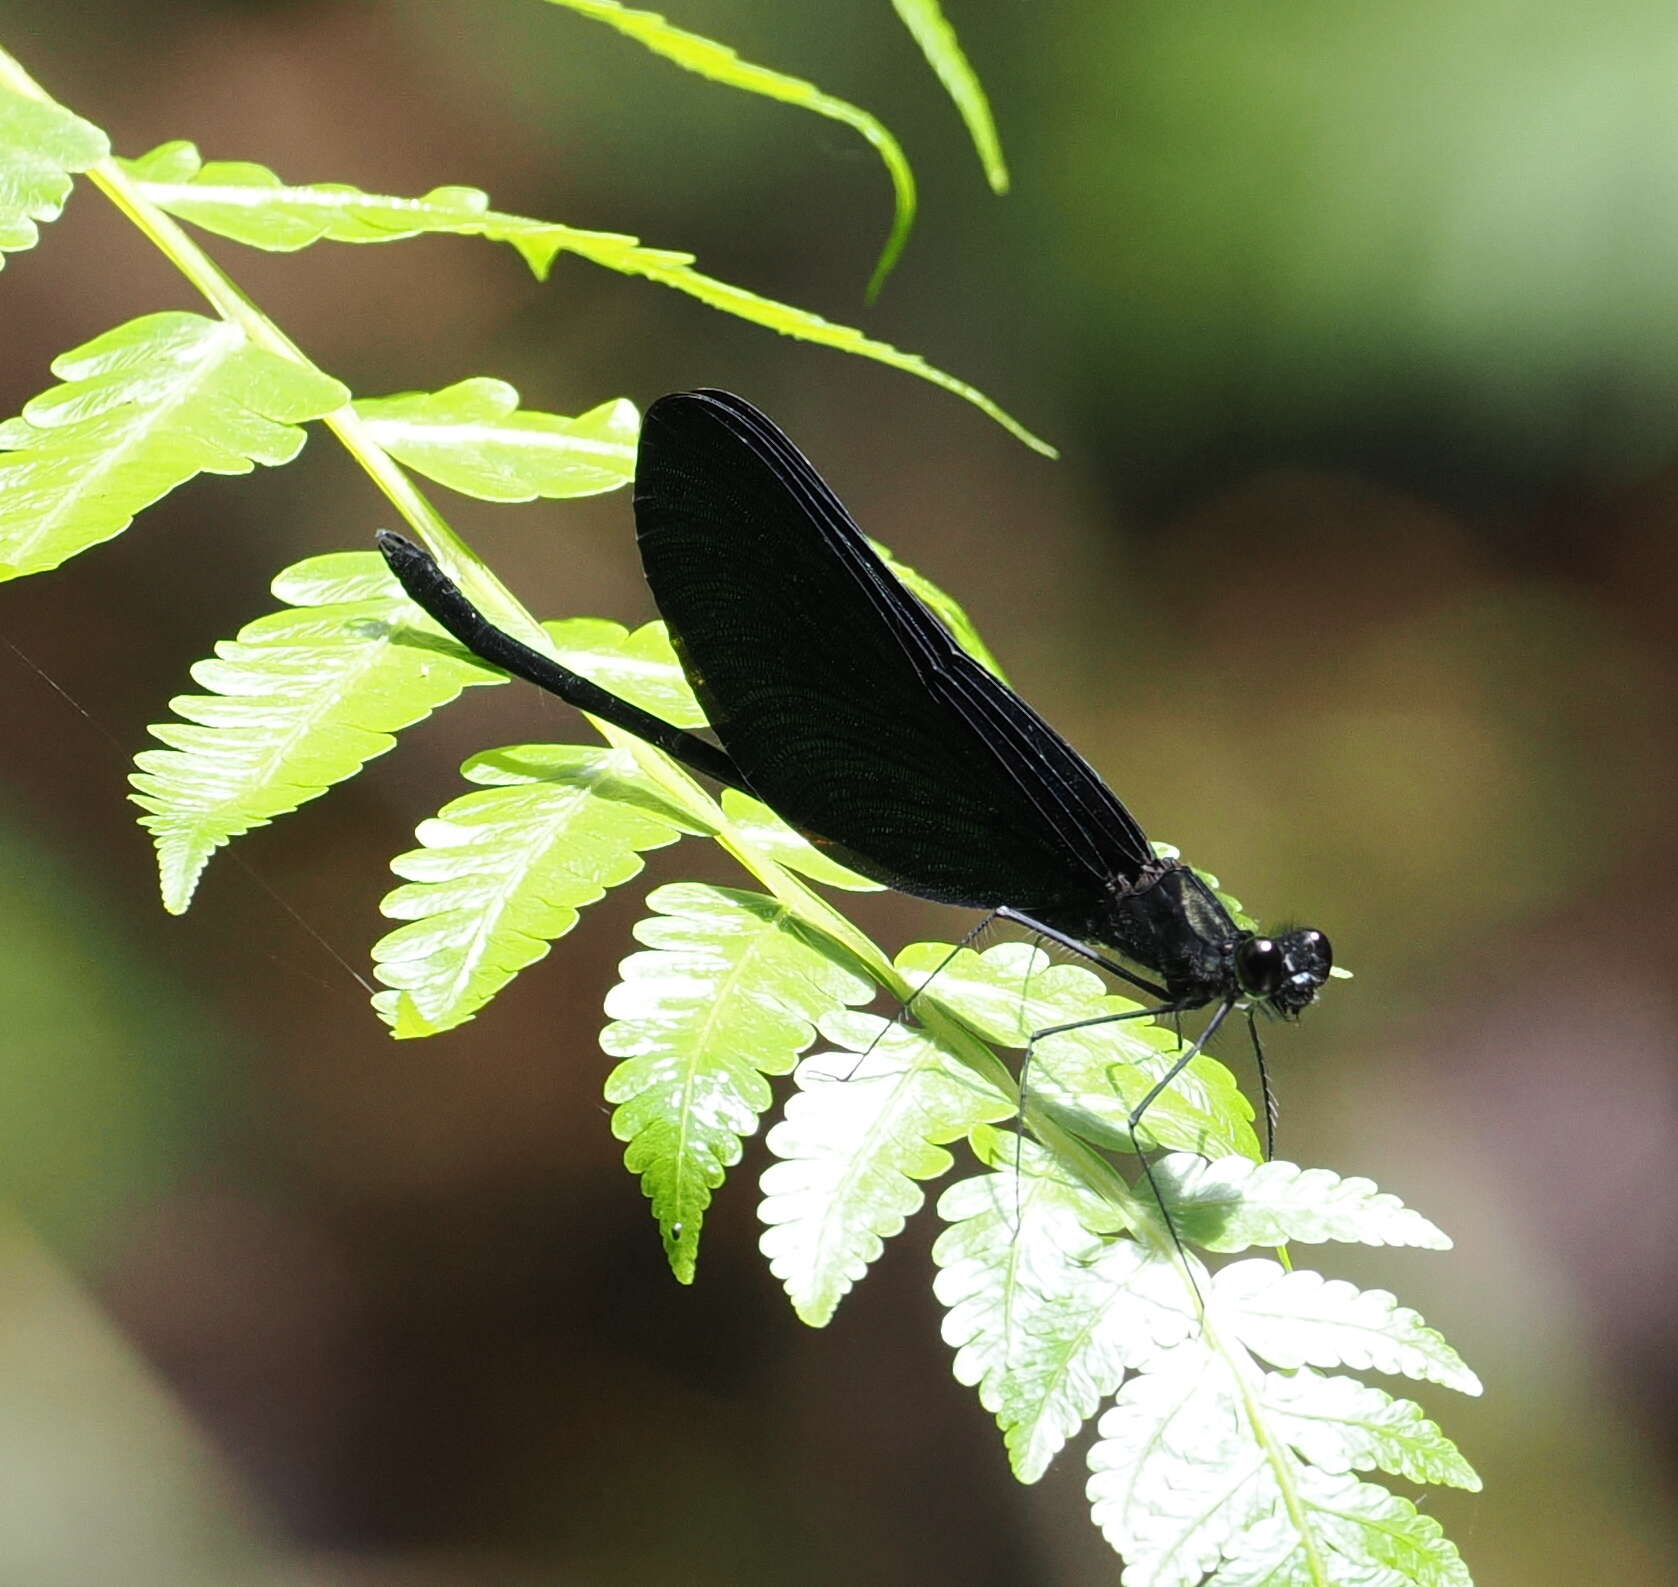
x,y
1318,953
1261,965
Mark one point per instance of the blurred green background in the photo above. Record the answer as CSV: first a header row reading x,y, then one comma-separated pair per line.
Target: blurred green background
x,y
1358,327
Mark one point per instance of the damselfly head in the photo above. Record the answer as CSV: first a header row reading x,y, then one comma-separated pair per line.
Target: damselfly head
x,y
1285,971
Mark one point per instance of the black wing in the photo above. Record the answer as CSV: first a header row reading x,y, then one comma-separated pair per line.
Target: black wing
x,y
845,703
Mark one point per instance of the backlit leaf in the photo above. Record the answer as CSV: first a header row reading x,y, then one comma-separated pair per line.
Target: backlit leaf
x,y
474,438
937,39
41,146
1045,1316
503,872
1302,1319
707,58
143,409
727,991
302,699
868,1122
1231,1203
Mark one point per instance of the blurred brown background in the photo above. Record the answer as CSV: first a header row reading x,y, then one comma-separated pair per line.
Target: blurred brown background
x,y
1358,327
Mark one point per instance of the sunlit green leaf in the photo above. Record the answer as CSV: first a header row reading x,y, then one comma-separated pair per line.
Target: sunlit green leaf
x,y
41,145
937,39
867,1123
1181,1486
707,58
143,409
1341,1425
1231,1203
474,438
1045,1316
503,872
250,204
1302,1319
729,991
302,699
1359,1534
1177,1475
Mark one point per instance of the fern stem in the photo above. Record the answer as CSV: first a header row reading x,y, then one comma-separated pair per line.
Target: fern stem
x,y
1281,1465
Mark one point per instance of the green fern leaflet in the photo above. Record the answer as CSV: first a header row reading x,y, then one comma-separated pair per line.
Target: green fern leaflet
x,y
728,990
1206,1467
504,872
143,409
867,1123
41,146
475,438
301,700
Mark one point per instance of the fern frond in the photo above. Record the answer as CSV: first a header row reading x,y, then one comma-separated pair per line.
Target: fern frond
x,y
695,53
250,204
142,409
866,1123
727,991
1206,1465
301,700
504,872
42,145
474,438
931,30
1178,1475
